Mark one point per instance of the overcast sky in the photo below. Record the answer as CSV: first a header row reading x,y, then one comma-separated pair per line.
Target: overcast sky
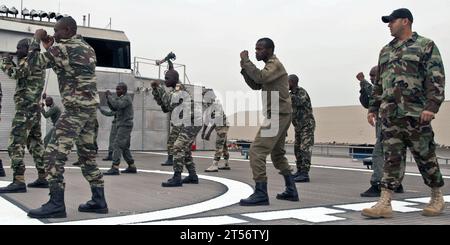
x,y
325,42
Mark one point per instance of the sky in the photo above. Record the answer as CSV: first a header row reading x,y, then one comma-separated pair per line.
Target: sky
x,y
325,42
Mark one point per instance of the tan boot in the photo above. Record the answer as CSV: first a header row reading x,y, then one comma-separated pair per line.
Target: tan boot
x,y
436,205
213,168
383,208
226,166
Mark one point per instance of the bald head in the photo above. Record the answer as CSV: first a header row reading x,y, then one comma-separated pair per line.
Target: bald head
x,y
121,89
373,74
48,101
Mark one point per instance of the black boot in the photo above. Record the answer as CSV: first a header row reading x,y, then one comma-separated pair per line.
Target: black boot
x,y
76,164
131,169
169,161
97,204
54,208
112,171
399,189
175,181
303,176
192,178
14,187
296,174
40,182
2,171
259,197
373,191
109,157
290,194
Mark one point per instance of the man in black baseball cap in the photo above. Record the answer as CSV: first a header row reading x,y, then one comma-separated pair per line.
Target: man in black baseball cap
x,y
400,23
402,13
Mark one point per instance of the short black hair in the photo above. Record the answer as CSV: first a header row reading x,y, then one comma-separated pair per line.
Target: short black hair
x,y
49,98
268,43
293,77
24,42
69,22
123,85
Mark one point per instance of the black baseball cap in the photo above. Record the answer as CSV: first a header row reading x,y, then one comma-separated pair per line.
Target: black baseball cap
x,y
397,14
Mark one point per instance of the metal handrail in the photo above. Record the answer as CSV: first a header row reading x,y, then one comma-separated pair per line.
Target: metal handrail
x,y
152,62
324,149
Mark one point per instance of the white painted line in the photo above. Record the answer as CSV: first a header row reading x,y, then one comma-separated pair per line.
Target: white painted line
x,y
217,220
314,215
236,191
4,183
398,206
313,166
10,214
426,199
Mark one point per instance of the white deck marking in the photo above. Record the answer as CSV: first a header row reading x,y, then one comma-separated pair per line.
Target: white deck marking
x,y
10,214
236,191
398,206
426,199
217,220
312,166
314,215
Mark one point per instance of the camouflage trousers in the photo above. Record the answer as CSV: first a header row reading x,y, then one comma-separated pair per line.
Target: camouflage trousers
x,y
304,141
263,146
400,133
26,132
173,135
121,145
378,158
221,143
182,154
80,125
79,146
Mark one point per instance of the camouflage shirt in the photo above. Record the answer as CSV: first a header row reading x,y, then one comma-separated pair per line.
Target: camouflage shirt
x,y
411,79
1,96
74,62
172,102
272,77
30,83
301,106
365,94
123,106
54,112
213,114
365,97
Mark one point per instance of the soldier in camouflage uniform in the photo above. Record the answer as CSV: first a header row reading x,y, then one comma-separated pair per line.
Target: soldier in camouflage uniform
x,y
54,112
173,135
304,124
2,171
377,154
112,133
272,80
408,91
122,104
74,62
26,125
214,119
182,105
